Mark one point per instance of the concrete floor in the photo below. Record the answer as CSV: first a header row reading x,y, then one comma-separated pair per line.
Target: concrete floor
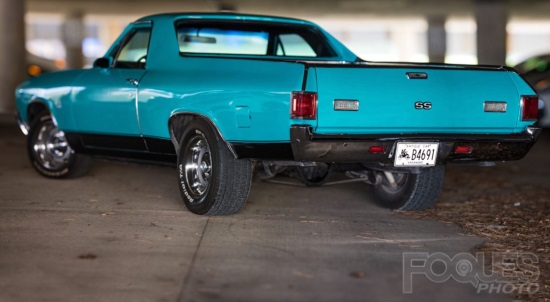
x,y
121,233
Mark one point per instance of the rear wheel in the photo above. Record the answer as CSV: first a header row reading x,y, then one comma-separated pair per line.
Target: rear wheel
x,y
50,153
410,192
211,180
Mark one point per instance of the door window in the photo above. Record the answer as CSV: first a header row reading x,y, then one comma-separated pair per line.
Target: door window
x,y
133,53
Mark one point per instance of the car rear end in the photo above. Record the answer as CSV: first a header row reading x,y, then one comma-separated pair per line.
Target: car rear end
x,y
413,115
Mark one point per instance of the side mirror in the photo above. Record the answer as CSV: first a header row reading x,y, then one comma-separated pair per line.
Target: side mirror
x,y
103,62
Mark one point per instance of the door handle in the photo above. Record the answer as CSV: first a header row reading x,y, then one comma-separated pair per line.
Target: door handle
x,y
417,75
133,81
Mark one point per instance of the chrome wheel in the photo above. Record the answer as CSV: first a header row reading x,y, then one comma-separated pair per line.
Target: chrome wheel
x,y
198,166
50,153
50,148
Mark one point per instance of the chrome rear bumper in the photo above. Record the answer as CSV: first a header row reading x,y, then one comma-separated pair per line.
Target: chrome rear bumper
x,y
307,146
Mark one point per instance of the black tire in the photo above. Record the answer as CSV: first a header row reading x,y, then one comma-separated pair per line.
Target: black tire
x,y
413,192
211,180
50,153
314,176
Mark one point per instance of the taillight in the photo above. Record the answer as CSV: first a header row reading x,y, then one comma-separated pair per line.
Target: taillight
x,y
464,149
529,108
377,149
303,105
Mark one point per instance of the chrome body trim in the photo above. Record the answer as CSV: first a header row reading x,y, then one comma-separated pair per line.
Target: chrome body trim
x,y
354,105
22,125
491,106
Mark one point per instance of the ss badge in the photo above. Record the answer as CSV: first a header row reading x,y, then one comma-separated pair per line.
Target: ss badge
x,y
423,105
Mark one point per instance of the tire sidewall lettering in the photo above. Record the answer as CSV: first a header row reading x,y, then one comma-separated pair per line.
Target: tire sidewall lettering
x,y
42,170
183,184
182,173
197,131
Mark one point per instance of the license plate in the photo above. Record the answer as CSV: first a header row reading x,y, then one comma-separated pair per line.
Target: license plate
x,y
416,154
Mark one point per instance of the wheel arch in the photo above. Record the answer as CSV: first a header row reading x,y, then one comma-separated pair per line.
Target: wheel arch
x,y
37,107
180,120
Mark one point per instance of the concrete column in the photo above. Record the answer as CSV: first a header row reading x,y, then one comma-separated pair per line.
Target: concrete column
x,y
437,38
73,34
491,19
13,53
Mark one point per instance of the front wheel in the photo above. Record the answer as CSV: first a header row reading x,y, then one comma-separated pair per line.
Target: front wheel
x,y
211,180
410,192
50,153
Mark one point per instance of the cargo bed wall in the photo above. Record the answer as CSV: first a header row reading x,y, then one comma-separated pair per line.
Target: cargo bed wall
x,y
387,100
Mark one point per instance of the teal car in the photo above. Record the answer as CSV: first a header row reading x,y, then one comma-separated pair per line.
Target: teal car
x,y
223,95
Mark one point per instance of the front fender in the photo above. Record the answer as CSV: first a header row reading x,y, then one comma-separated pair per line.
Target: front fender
x,y
53,90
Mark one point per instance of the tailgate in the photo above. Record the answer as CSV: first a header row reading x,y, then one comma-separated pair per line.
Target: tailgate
x,y
387,98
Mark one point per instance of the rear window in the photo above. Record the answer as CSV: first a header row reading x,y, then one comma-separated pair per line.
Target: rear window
x,y
256,39
222,41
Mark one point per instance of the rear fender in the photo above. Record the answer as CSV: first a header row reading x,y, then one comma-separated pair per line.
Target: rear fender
x,y
178,122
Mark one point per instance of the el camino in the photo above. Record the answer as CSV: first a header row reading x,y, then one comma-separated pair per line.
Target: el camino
x,y
220,94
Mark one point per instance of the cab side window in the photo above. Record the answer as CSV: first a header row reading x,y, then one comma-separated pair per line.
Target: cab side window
x,y
133,53
294,45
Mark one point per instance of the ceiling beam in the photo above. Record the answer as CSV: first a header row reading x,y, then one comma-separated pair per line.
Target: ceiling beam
x,y
291,8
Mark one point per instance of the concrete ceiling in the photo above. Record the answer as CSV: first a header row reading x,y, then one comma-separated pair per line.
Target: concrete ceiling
x,y
539,9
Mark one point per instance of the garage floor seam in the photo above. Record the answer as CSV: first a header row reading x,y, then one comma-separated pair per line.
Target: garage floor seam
x,y
192,264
